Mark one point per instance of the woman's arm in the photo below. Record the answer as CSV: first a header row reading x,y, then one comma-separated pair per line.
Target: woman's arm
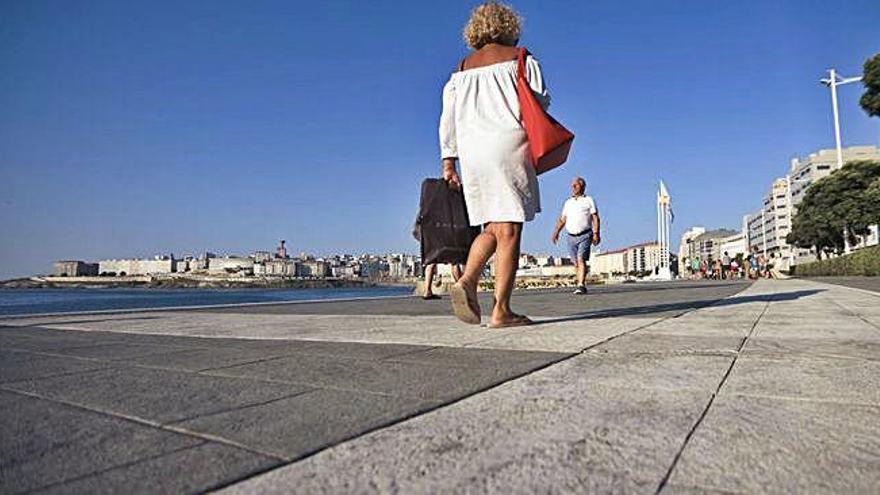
x,y
448,141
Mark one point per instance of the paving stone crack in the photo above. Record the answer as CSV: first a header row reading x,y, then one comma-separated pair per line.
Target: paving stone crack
x,y
117,466
151,423
705,411
857,315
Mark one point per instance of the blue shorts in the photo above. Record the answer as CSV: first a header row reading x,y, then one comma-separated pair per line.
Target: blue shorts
x,y
579,245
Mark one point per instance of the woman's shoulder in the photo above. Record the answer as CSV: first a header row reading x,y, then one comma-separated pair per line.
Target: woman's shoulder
x,y
485,57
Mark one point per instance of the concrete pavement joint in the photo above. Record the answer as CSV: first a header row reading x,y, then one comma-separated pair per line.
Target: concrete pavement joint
x,y
119,466
170,424
407,417
69,373
312,385
55,375
699,421
809,400
150,423
853,313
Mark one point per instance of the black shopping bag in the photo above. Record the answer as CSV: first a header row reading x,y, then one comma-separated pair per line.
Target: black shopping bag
x,y
442,225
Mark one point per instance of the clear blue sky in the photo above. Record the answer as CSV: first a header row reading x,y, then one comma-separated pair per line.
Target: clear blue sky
x,y
136,128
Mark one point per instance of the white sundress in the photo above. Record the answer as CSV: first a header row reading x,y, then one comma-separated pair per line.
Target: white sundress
x,y
480,125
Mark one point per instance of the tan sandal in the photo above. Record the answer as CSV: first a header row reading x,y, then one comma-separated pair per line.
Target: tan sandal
x,y
518,321
465,305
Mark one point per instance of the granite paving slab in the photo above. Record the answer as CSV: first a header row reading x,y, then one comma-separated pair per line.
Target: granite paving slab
x,y
189,470
46,443
19,365
547,430
807,377
766,445
408,379
297,426
157,395
834,348
649,342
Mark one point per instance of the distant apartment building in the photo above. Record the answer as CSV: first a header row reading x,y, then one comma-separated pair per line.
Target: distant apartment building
x,y
686,249
312,269
708,244
639,260
545,260
344,271
262,256
74,268
698,245
733,245
766,229
403,266
276,267
643,258
230,264
609,264
158,266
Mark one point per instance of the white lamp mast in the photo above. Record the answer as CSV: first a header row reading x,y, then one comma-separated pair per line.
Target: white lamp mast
x,y
663,219
833,81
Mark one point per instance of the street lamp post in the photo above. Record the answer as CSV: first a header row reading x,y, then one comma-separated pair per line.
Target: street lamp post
x,y
833,81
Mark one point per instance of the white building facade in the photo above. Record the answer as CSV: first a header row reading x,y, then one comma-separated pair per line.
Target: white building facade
x,y
767,227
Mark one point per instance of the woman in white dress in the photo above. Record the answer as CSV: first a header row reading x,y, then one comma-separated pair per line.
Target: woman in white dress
x,y
481,129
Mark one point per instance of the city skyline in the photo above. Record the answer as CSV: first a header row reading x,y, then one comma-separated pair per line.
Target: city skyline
x,y
133,131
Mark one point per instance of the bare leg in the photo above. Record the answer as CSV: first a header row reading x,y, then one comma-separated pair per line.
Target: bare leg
x,y
481,250
456,272
507,235
581,272
429,279
464,292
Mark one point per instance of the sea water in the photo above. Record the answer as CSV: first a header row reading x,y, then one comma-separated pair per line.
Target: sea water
x,y
35,301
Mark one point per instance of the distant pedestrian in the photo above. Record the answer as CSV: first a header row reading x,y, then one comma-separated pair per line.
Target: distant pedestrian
x,y
725,265
773,269
481,128
580,218
762,266
430,271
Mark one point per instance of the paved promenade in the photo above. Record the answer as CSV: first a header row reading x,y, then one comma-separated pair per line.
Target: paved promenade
x,y
672,388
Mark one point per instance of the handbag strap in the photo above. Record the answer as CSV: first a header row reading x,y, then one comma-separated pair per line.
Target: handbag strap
x,y
521,63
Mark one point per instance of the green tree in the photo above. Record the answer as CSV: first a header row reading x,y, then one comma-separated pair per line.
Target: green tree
x,y
870,101
848,199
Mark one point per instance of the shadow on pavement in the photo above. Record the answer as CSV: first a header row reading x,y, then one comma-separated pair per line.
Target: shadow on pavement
x,y
683,306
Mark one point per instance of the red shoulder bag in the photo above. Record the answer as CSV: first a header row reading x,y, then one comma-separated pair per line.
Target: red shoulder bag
x,y
549,141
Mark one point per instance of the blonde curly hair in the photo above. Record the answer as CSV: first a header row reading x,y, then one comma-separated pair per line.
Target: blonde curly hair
x,y
492,22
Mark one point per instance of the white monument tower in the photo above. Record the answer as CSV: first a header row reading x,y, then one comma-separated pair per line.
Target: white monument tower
x,y
664,219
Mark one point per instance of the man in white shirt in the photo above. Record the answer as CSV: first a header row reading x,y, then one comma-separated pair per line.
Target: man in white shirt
x,y
580,218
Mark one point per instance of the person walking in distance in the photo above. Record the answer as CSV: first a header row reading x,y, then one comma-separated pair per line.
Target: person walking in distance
x,y
481,129
430,271
580,218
